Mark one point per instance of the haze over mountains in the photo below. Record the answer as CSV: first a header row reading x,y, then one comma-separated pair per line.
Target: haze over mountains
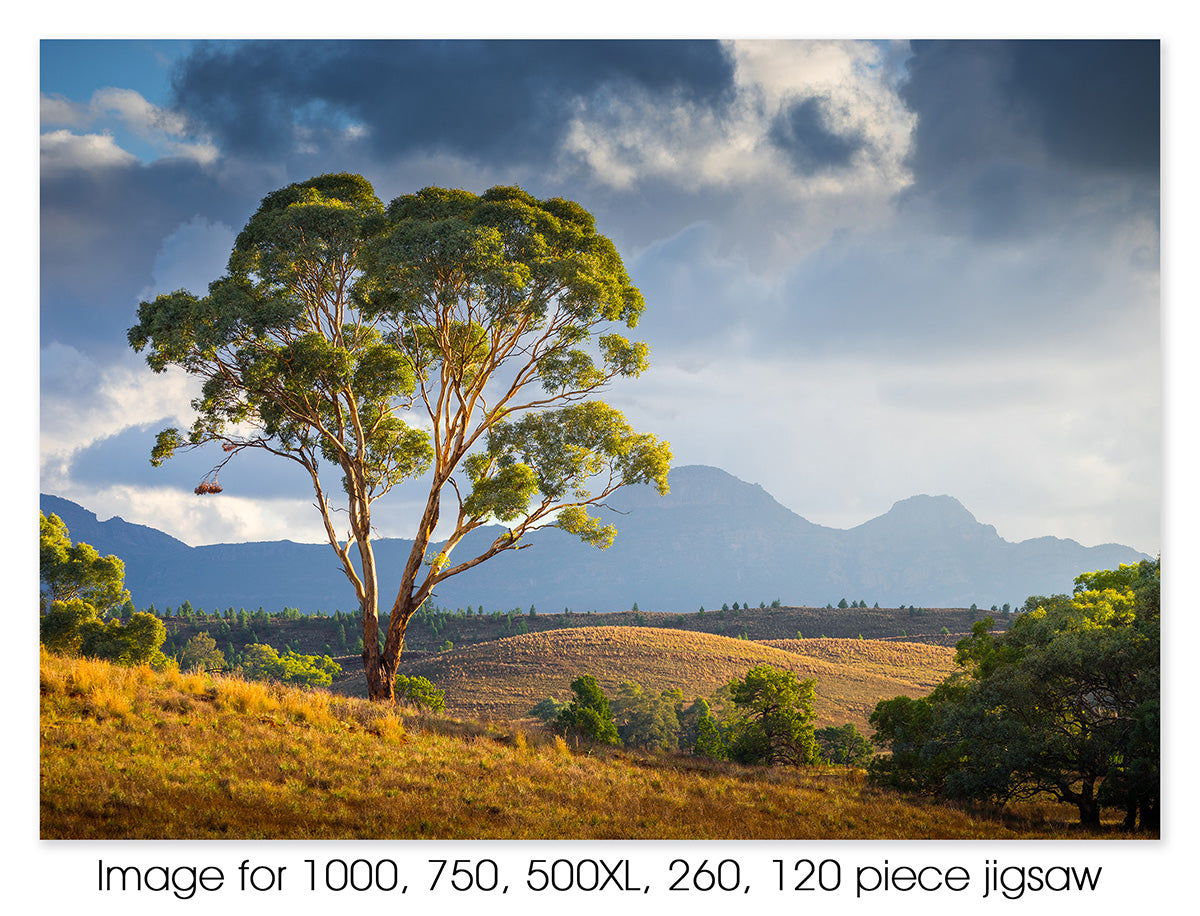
x,y
713,539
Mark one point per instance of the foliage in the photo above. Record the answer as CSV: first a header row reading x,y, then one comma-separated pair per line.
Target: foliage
x,y
264,663
78,588
200,653
589,716
547,710
421,692
72,572
60,625
843,744
707,740
135,643
646,719
451,335
1065,703
774,723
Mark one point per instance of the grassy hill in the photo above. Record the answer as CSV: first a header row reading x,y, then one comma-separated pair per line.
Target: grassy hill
x,y
131,753
502,679
431,629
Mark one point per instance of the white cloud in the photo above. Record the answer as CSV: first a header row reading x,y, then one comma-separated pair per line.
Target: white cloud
x,y
202,520
1033,447
83,402
138,114
772,211
634,137
117,111
62,150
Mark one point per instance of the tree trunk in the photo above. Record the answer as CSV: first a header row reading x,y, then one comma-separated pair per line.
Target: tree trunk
x,y
1089,810
381,675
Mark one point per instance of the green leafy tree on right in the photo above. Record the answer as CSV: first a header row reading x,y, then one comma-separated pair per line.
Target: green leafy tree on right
x,y
1066,702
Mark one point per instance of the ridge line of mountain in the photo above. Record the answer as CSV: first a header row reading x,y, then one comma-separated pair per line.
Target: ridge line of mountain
x,y
713,539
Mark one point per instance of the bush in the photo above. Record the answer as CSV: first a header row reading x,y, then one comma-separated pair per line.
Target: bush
x,y
647,720
589,715
200,653
263,663
547,710
421,692
843,745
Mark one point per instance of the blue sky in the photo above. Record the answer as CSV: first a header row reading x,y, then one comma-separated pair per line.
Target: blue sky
x,y
872,269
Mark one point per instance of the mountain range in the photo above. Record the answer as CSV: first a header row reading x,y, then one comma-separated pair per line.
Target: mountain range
x,y
713,539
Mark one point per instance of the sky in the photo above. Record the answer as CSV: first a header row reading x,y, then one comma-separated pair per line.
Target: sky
x,y
873,269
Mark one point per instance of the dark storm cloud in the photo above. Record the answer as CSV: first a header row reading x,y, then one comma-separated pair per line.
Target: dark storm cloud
x,y
1012,136
1088,104
101,231
802,134
478,98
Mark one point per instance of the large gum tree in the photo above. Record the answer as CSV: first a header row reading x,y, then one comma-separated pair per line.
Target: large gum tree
x,y
450,338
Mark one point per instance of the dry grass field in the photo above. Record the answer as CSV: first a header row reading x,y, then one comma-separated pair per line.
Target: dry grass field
x,y
503,679
130,753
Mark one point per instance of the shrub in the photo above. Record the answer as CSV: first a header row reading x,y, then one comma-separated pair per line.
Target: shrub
x,y
547,710
262,662
843,745
589,715
421,692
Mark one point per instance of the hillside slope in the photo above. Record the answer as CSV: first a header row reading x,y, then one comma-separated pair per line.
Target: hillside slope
x,y
128,753
504,679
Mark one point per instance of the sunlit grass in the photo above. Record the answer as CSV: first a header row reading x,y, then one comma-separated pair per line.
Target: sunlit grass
x,y
130,753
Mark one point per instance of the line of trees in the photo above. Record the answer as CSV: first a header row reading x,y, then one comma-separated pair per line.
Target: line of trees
x,y
763,718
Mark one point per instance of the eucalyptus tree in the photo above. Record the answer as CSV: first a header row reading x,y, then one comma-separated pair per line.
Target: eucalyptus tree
x,y
450,338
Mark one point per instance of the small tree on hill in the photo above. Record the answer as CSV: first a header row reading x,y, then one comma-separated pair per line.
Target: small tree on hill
x,y
262,662
775,718
77,571
421,692
645,719
589,715
200,653
79,587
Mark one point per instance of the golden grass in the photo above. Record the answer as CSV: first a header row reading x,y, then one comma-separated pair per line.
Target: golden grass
x,y
130,753
505,678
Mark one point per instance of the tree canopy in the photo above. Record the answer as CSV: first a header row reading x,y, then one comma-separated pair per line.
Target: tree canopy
x,y
775,718
1065,702
451,337
589,715
77,571
79,588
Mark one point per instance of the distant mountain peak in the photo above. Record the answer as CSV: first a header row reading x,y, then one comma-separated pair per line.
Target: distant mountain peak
x,y
925,506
